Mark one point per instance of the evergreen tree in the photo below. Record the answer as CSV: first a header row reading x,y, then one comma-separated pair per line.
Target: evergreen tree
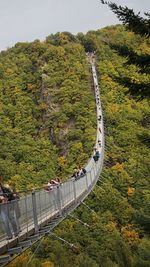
x,y
134,22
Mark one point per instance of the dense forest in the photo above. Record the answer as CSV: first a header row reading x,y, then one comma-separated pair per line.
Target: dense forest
x,y
48,127
48,116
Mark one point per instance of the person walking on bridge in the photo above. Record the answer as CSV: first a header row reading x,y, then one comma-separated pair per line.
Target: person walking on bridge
x,y
8,212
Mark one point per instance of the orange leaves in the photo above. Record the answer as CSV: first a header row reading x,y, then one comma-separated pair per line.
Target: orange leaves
x,y
118,167
114,108
130,235
47,264
130,191
32,87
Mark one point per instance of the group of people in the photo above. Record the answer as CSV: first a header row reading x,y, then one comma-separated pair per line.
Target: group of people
x,y
97,96
9,210
80,172
52,183
9,207
96,155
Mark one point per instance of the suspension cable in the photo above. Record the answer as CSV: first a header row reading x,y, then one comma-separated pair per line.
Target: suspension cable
x,y
85,224
32,256
99,188
71,245
88,207
93,211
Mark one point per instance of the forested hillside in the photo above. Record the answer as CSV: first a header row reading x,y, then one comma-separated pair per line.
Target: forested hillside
x,y
48,124
48,116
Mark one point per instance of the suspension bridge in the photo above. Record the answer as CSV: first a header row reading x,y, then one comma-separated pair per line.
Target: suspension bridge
x,y
41,210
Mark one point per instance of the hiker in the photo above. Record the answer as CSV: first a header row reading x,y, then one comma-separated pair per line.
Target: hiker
x,y
99,130
56,181
8,211
99,142
82,172
50,185
99,118
96,155
76,174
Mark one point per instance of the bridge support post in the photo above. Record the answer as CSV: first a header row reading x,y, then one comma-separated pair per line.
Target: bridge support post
x,y
86,182
90,177
59,200
96,166
95,169
35,218
74,190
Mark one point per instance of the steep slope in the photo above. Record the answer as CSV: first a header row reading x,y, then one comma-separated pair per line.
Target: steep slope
x,y
47,112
